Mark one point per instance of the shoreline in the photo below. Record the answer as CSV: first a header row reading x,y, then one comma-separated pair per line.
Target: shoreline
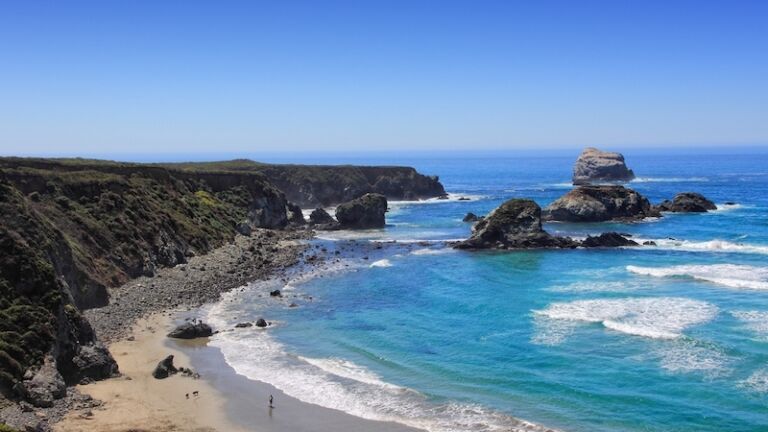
x,y
226,400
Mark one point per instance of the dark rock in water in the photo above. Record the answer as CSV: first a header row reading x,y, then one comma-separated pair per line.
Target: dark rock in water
x,y
600,203
295,215
471,217
464,199
610,239
730,203
594,166
443,197
45,385
191,331
363,213
649,243
321,220
243,325
261,322
165,368
276,293
516,224
687,202
293,305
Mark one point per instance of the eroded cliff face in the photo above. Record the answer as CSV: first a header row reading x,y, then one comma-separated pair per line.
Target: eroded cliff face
x,y
326,185
70,229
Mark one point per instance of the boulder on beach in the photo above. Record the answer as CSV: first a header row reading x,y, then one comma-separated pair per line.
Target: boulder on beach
x,y
609,239
363,213
516,224
164,368
687,202
191,331
595,166
600,203
261,322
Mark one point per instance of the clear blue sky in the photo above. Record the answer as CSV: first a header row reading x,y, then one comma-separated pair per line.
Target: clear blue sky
x,y
225,76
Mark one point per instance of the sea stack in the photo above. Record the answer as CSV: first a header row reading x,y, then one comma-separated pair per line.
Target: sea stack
x,y
363,213
596,166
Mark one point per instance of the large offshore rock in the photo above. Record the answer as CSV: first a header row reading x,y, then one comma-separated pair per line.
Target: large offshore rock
x,y
362,213
599,203
595,166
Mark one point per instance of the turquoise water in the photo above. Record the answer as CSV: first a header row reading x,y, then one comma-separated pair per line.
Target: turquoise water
x,y
672,337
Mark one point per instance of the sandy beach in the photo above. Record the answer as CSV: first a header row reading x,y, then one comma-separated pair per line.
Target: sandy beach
x,y
225,402
137,401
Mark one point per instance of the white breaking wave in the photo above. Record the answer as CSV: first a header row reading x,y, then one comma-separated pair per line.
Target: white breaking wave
x,y
730,275
669,179
381,263
755,321
348,387
727,207
658,318
687,356
722,246
427,251
452,197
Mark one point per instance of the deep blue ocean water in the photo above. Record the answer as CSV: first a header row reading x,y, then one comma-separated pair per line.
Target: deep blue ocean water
x,y
666,338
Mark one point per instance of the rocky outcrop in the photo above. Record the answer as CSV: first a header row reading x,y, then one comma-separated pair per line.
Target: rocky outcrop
x,y
610,239
596,166
165,368
320,219
471,217
600,203
687,202
43,386
516,224
295,215
362,213
191,330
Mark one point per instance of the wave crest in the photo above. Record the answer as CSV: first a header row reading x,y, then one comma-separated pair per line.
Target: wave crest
x,y
730,275
657,318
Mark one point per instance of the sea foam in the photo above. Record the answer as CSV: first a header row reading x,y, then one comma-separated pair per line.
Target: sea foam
x,y
345,386
721,246
658,318
730,275
755,321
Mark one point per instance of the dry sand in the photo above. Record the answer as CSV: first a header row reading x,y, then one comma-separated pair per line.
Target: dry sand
x,y
138,402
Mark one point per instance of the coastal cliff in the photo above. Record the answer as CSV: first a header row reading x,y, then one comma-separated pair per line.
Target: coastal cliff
x,y
71,229
327,185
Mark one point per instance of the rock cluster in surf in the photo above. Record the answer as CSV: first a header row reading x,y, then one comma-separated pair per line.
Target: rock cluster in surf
x,y
516,224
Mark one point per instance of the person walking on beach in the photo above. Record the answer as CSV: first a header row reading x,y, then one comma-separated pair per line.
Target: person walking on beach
x,y
271,399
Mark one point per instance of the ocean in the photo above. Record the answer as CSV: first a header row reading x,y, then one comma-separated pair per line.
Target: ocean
x,y
672,337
